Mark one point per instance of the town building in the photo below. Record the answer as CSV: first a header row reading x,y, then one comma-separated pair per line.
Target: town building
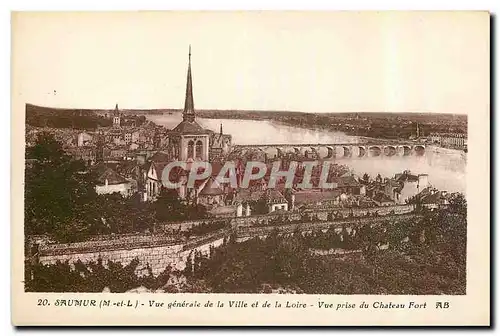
x,y
109,182
457,140
84,139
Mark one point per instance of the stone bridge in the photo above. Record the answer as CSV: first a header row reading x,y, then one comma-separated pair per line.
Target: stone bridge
x,y
335,151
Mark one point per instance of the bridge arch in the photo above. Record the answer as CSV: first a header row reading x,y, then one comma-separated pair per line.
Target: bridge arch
x,y
325,152
330,152
419,150
375,151
358,151
406,150
300,150
341,151
314,152
390,150
347,151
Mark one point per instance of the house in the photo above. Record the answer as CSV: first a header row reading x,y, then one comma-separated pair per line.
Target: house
x,y
432,198
211,193
131,136
348,184
84,139
154,173
315,197
275,200
260,201
109,182
410,185
118,152
382,199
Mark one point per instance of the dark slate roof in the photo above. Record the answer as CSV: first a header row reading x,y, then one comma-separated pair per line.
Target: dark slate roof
x,y
186,127
346,181
246,195
159,166
159,157
112,177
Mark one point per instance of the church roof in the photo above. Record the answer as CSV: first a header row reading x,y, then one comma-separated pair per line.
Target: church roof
x,y
189,102
186,127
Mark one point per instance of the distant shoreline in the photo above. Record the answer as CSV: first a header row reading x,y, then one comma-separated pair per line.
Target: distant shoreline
x,y
237,114
387,126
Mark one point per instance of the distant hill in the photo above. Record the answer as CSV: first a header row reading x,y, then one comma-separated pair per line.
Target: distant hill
x,y
372,124
212,113
40,116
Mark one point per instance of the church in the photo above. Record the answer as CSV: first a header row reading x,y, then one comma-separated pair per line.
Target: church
x,y
187,142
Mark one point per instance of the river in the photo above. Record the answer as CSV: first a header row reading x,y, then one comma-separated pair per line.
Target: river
x,y
446,168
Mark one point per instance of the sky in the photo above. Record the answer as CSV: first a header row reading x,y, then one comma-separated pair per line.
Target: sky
x,y
295,61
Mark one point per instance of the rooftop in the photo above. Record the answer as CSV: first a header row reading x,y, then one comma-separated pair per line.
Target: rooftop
x,y
109,176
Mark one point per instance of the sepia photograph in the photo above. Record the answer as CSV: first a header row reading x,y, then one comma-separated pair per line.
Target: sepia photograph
x,y
289,153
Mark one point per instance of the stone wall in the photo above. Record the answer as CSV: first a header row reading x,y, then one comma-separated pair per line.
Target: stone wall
x,y
349,224
160,251
158,255
187,225
322,214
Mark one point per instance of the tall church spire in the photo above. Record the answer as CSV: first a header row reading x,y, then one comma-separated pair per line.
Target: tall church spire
x,y
188,114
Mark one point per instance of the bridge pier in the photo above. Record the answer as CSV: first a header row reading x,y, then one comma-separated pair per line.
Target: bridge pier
x,y
335,151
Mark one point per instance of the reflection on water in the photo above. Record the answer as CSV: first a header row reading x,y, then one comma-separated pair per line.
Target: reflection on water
x,y
250,132
446,168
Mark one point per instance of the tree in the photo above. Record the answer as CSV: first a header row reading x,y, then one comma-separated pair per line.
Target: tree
x,y
168,206
58,191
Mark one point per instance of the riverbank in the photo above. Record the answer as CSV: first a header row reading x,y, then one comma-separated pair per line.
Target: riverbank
x,y
376,125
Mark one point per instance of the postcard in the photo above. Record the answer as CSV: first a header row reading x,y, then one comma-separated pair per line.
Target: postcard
x,y
251,168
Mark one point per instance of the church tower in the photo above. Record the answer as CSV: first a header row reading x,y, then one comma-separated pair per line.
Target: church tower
x,y
188,140
188,114
116,117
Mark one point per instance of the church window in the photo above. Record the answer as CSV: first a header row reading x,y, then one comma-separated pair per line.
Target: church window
x,y
199,149
190,149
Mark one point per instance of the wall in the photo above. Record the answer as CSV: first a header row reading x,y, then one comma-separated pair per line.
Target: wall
x,y
158,253
122,188
349,224
161,251
158,258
